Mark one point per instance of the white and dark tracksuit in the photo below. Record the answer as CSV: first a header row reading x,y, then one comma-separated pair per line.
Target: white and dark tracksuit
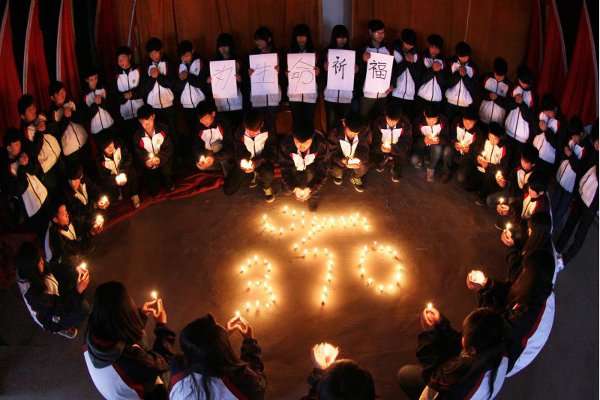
x,y
215,141
81,204
45,148
407,79
494,110
432,85
129,81
99,116
436,151
583,212
337,102
64,245
568,173
463,161
516,187
461,91
519,124
128,371
484,179
371,103
304,170
109,167
343,148
262,150
398,137
190,92
302,105
247,382
158,145
73,136
547,142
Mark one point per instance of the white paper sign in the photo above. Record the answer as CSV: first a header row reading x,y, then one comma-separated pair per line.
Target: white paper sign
x,y
379,73
301,73
264,80
340,69
222,79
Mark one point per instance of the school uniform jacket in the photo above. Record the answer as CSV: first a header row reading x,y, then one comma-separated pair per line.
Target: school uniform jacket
x,y
261,149
246,382
99,115
494,110
191,89
341,147
363,68
495,155
400,136
529,206
517,181
82,203
588,186
440,129
407,73
42,146
158,91
571,168
23,183
458,134
314,161
462,90
63,244
432,83
109,167
72,133
124,371
129,80
519,120
206,138
159,145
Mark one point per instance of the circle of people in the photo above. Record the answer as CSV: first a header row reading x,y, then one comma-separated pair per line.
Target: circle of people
x,y
519,157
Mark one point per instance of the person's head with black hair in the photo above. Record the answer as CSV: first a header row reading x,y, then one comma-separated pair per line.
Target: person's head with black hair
x,y
206,112
500,68
469,118
254,121
340,37
27,108
13,142
154,49
107,143
483,330
263,39
115,316
57,92
393,113
124,55
435,43
376,32
346,380
185,51
539,233
91,77
537,184
432,114
463,52
408,37
31,266
301,39
549,105
225,46
529,157
495,133
303,134
75,176
524,77
146,117
59,212
353,124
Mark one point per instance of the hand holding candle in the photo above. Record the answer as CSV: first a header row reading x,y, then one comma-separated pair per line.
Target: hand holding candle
x,y
324,354
121,179
103,202
386,147
247,166
506,236
476,280
429,317
502,209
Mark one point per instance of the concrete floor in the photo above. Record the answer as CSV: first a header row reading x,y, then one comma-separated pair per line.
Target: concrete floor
x,y
190,251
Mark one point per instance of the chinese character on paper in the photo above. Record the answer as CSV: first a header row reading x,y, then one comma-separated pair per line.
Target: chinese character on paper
x,y
378,69
339,66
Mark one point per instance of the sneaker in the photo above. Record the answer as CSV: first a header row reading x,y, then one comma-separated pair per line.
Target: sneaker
x,y
269,196
418,165
135,200
380,169
254,181
430,175
337,181
395,178
358,184
446,177
480,202
70,333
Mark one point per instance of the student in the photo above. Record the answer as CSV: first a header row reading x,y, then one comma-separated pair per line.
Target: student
x,y
129,93
117,175
534,201
548,136
40,143
433,81
518,122
267,103
337,102
84,201
20,179
349,150
371,103
462,81
213,142
230,107
63,244
98,108
189,87
571,165
154,151
302,105
209,368
454,365
491,159
495,91
431,138
54,295
158,85
303,163
392,140
255,152
343,379
406,57
464,136
121,364
584,208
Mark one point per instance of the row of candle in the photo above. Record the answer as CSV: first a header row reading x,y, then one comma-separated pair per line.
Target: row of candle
x,y
265,284
391,253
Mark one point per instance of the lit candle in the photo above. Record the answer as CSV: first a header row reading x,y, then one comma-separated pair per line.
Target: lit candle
x,y
99,221
429,306
121,178
381,289
501,200
83,265
285,209
246,164
477,277
499,175
369,281
103,201
305,253
296,246
154,295
237,314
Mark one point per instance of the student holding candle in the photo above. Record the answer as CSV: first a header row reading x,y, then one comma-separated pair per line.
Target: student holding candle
x,y
212,145
84,201
464,136
54,294
63,244
535,200
210,369
392,140
431,138
349,147
119,359
117,175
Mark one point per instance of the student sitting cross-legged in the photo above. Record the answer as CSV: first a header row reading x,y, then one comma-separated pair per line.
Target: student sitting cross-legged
x,y
431,138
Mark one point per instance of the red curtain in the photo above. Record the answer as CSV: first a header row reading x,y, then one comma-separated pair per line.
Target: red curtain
x,y
35,70
66,59
554,68
106,35
580,95
533,56
10,90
